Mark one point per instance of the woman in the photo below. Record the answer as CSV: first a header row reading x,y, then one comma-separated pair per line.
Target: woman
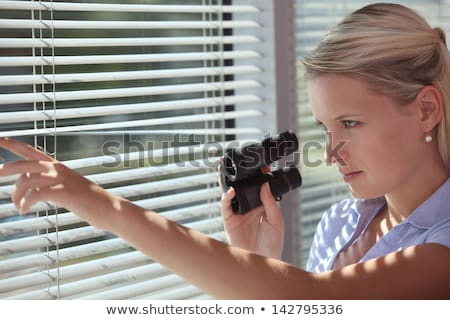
x,y
378,82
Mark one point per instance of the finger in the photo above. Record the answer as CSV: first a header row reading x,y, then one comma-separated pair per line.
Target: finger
x,y
227,209
21,167
270,204
29,182
33,196
23,150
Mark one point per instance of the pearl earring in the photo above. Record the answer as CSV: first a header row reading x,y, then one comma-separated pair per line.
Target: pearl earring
x,y
428,138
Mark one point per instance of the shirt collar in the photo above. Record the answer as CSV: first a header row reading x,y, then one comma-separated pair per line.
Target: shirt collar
x,y
433,210
367,209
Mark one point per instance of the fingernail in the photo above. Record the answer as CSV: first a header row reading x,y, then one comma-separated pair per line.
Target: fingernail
x,y
20,207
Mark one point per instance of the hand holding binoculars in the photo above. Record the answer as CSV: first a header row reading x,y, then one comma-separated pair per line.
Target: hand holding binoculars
x,y
247,168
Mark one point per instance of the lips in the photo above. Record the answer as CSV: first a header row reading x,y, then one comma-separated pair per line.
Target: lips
x,y
350,175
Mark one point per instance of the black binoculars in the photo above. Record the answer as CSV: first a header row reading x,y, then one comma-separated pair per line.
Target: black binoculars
x,y
246,169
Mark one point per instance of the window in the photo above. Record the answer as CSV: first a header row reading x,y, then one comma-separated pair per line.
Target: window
x,y
141,97
322,184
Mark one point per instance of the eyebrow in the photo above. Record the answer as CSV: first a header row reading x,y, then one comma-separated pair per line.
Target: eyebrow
x,y
344,116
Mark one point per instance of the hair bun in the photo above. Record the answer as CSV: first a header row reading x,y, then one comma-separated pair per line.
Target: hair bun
x,y
441,34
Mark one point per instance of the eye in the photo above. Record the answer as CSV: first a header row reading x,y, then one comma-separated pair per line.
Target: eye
x,y
350,123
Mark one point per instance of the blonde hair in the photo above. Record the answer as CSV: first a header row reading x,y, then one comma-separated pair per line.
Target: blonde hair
x,y
395,51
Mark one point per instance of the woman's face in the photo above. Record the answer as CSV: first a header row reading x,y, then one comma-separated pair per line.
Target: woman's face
x,y
376,144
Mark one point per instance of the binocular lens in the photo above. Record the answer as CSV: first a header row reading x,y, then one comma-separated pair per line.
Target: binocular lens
x,y
285,180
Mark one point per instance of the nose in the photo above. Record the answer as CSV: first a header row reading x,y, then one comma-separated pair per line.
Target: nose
x,y
335,151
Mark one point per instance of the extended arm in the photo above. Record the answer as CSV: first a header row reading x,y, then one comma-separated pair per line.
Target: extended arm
x,y
221,270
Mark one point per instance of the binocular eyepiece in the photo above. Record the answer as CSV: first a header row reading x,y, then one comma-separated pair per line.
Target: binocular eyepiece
x,y
246,169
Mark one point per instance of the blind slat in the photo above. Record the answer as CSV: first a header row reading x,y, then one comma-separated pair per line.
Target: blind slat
x,y
136,173
49,239
8,80
136,123
120,42
8,210
111,7
122,25
64,219
131,156
49,258
181,104
129,58
62,237
124,92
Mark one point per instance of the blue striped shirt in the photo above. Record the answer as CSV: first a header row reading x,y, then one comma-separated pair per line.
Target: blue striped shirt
x,y
344,222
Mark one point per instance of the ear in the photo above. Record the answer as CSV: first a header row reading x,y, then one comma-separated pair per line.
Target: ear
x,y
430,107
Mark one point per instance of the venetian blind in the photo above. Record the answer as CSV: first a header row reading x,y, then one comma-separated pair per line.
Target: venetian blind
x,y
140,97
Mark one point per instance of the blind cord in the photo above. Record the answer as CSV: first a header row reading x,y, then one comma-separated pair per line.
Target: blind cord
x,y
52,30
44,141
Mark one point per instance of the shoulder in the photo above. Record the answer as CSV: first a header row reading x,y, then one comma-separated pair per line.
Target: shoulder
x,y
440,233
394,276
431,220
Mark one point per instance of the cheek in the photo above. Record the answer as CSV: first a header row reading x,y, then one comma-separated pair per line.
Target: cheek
x,y
394,146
